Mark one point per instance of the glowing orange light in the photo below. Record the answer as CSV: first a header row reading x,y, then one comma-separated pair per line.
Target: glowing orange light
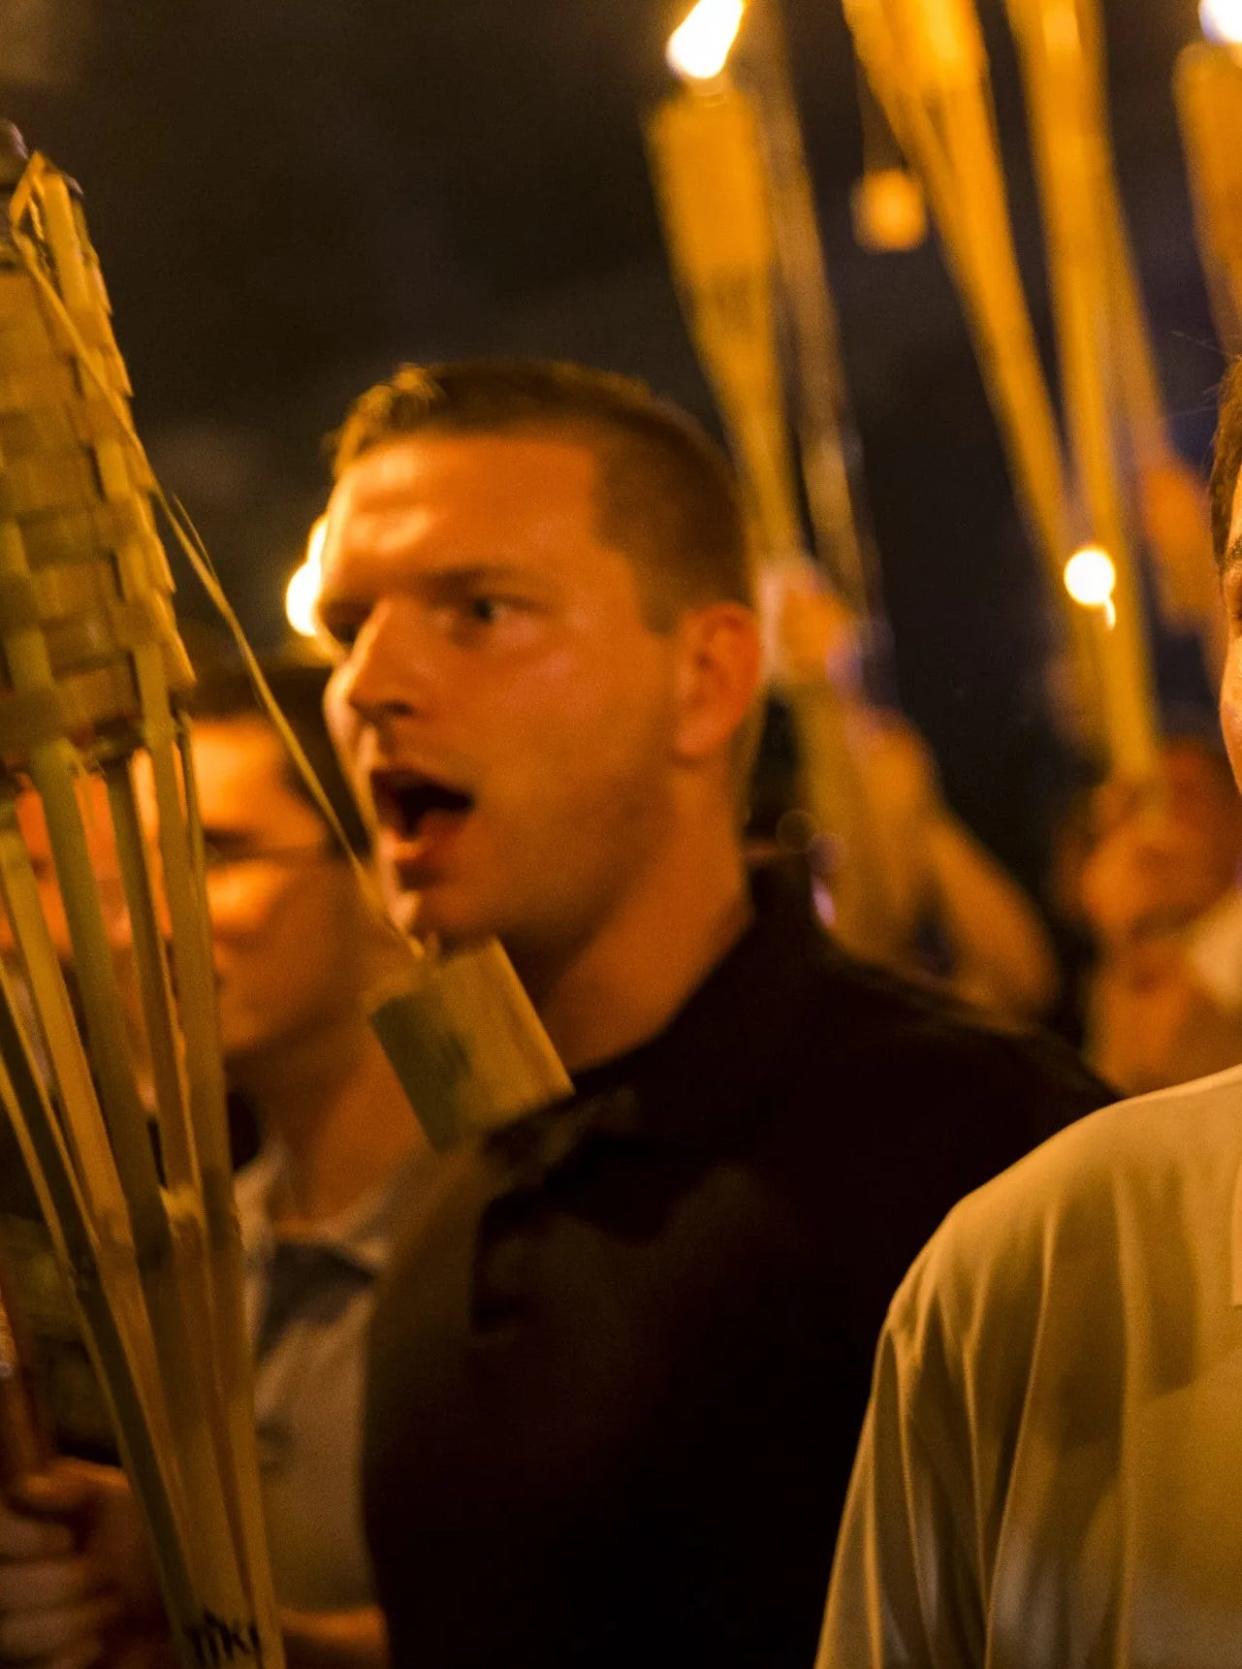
x,y
699,48
1091,579
302,591
1221,20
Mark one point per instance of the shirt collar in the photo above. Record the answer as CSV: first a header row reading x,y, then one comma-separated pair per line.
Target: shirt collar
x,y
362,1234
700,1082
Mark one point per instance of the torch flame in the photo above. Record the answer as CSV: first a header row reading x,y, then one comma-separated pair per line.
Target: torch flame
x,y
1091,579
302,592
1221,20
699,48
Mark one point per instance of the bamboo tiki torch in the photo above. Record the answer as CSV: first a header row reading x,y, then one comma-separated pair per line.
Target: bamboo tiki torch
x,y
93,668
1208,85
705,151
926,63
707,158
827,440
1059,52
94,673
1171,493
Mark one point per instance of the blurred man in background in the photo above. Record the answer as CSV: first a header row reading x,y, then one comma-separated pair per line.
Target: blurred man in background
x,y
294,949
1159,890
910,885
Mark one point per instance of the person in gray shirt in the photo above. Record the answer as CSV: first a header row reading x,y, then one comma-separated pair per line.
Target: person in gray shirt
x,y
294,950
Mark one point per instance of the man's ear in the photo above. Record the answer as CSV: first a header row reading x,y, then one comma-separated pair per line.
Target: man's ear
x,y
718,676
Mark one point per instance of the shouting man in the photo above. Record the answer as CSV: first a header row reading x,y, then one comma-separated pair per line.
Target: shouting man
x,y
622,1351
621,1356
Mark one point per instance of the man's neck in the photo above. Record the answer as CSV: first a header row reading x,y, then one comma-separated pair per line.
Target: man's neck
x,y
340,1118
628,982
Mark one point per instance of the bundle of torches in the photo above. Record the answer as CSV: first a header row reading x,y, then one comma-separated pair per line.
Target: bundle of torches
x,y
1082,464
144,1229
122,1126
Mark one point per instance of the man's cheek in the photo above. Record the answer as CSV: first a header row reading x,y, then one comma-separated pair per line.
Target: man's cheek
x,y
339,717
1231,715
344,730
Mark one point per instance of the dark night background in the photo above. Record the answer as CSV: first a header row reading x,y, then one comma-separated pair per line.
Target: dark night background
x,y
290,197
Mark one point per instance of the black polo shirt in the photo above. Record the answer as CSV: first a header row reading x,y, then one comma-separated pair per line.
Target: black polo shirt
x,y
620,1361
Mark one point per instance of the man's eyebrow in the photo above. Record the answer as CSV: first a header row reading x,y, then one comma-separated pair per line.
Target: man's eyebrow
x,y
447,579
479,573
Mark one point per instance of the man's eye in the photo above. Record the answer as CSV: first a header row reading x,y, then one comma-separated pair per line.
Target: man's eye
x,y
343,632
486,611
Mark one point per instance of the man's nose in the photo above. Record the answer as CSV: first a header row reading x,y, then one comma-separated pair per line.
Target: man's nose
x,y
231,908
388,671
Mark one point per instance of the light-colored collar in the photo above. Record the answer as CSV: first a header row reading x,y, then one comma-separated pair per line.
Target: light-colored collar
x,y
362,1233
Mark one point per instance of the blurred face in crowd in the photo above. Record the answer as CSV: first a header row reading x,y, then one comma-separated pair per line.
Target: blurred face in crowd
x,y
287,929
1202,798
284,917
1183,848
101,849
109,890
515,728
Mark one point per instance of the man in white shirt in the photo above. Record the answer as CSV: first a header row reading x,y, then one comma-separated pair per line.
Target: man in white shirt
x,y
1047,1472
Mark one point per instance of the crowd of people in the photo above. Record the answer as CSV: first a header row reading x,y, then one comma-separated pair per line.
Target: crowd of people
x,y
588,1389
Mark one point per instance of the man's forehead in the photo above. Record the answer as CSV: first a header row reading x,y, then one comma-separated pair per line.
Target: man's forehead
x,y
487,464
473,497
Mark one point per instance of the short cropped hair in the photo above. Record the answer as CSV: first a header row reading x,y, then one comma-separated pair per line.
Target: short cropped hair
x,y
1226,459
667,495
226,695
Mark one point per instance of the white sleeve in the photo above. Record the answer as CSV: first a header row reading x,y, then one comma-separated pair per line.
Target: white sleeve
x,y
904,1594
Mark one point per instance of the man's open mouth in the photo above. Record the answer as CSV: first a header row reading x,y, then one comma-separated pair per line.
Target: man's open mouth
x,y
405,801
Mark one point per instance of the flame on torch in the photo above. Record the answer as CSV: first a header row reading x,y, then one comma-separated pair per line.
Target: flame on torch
x,y
699,48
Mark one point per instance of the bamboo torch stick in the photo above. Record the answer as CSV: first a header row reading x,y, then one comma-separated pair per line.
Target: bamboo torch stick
x,y
1075,180
828,443
707,162
98,667
926,64
1208,85
168,1228
95,667
705,151
96,1254
89,650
